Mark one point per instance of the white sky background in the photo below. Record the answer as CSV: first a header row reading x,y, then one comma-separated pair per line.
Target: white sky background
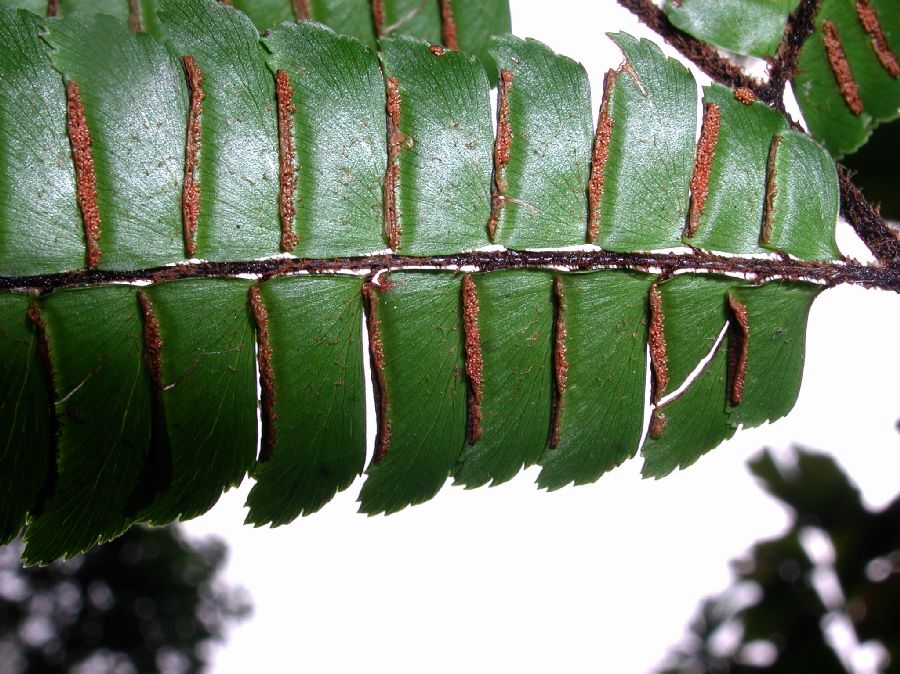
x,y
600,578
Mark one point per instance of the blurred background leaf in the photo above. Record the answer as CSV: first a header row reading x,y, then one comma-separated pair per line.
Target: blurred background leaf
x,y
150,601
805,601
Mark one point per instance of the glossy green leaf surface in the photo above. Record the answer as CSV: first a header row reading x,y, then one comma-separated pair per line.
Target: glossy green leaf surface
x,y
341,142
444,164
515,322
601,408
472,22
805,191
695,421
37,179
139,14
424,394
25,434
100,375
695,310
412,17
266,13
650,152
208,394
826,111
238,207
38,7
750,27
776,314
732,217
135,102
320,431
540,196
347,17
477,21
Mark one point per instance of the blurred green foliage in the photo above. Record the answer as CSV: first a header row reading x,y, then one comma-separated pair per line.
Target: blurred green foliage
x,y
775,617
149,601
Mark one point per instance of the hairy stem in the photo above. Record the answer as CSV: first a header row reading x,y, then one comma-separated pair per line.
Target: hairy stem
x,y
700,53
868,223
800,26
665,264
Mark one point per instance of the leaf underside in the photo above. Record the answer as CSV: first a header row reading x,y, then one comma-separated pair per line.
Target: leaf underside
x,y
848,74
136,403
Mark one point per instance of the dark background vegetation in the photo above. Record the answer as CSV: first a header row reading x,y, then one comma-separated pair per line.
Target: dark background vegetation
x,y
786,595
149,601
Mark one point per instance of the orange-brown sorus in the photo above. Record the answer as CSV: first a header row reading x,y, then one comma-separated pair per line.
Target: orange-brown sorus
x,y
376,349
85,178
706,150
560,361
474,361
837,59
744,95
448,25
190,197
738,349
394,146
598,160
266,373
659,355
771,191
502,145
284,94
869,20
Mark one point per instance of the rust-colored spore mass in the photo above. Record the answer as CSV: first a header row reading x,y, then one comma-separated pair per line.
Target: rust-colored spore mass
x,y
190,196
560,361
738,346
744,95
504,130
502,145
378,17
85,178
659,353
868,17
152,341
395,145
284,93
706,150
598,161
837,59
52,7
135,22
376,351
658,424
266,374
771,192
474,362
448,25
302,10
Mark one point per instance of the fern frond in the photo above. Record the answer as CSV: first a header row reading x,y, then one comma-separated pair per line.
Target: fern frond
x,y
127,381
848,75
